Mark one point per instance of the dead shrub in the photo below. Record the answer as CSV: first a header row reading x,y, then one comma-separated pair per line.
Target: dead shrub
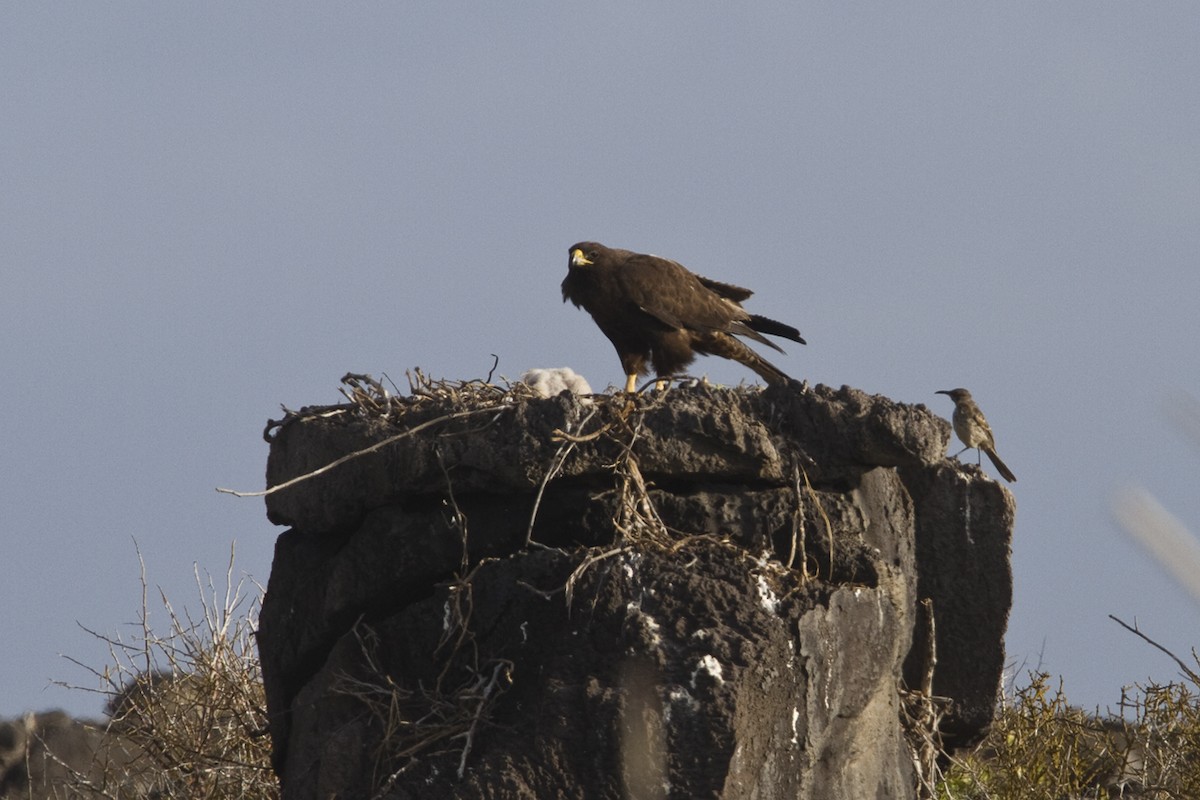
x,y
190,700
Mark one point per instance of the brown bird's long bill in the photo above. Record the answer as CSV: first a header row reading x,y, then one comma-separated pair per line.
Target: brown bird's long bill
x,y
973,430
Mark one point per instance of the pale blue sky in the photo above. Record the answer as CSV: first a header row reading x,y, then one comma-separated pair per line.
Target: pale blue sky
x,y
208,210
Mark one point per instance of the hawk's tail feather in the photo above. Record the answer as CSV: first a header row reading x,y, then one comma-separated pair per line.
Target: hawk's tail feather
x,y
727,346
769,372
742,329
767,325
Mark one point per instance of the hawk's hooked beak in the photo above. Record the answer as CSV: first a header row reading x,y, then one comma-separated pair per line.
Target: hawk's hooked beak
x,y
578,259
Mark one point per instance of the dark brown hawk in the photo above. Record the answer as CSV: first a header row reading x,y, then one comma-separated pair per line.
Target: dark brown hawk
x,y
655,311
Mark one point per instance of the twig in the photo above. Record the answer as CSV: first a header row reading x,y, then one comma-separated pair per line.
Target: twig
x,y
583,567
924,712
824,516
1188,672
556,465
798,527
365,451
77,779
559,435
458,518
484,700
931,654
542,593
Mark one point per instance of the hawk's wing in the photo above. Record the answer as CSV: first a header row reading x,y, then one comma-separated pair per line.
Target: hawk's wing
x,y
735,293
668,292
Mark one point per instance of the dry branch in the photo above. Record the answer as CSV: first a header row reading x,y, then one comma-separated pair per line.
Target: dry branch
x,y
366,450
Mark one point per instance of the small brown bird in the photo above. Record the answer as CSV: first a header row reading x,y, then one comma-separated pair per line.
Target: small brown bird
x,y
655,311
972,428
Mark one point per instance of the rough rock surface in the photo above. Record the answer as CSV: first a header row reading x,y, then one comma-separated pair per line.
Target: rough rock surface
x,y
51,755
714,595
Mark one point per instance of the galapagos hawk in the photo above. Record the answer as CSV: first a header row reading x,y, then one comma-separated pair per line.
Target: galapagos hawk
x,y
655,311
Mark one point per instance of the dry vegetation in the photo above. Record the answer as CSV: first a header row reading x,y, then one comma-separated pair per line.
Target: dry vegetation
x,y
188,703
1042,748
200,721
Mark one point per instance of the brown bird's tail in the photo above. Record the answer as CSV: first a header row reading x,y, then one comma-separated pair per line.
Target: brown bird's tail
x,y
1000,466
